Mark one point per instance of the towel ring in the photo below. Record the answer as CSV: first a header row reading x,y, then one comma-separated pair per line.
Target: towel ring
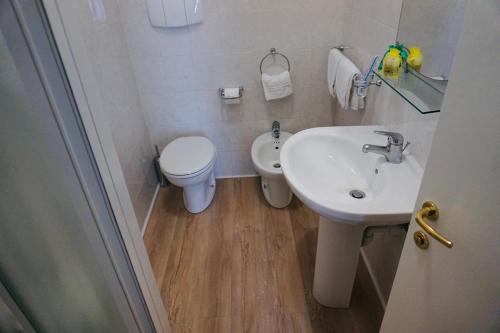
x,y
273,52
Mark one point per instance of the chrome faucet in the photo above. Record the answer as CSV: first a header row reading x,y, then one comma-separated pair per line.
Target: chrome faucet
x,y
393,152
275,130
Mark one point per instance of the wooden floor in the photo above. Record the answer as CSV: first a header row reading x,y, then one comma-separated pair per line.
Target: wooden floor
x,y
243,266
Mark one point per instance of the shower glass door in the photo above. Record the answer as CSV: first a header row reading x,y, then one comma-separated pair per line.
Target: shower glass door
x,y
61,257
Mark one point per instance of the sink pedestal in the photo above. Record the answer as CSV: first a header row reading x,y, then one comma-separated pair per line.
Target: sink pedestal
x,y
337,257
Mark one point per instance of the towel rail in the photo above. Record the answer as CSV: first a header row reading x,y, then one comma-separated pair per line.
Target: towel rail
x,y
362,81
341,48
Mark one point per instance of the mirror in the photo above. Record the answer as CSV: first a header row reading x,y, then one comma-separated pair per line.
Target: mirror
x,y
435,27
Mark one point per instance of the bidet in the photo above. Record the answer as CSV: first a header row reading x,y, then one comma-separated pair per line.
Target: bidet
x,y
266,160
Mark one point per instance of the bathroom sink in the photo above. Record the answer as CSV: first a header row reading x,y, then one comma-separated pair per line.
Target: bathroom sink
x,y
327,170
350,190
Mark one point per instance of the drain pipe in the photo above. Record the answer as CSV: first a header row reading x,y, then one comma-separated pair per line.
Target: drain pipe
x,y
369,232
162,180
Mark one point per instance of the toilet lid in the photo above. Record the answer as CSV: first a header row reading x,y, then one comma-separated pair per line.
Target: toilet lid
x,y
187,155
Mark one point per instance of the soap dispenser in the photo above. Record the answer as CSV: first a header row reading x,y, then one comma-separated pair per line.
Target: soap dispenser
x,y
415,58
392,62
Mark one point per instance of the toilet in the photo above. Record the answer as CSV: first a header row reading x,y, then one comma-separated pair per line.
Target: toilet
x,y
188,162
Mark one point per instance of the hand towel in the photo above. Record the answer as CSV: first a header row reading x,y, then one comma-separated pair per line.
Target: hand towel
x,y
277,86
333,59
344,76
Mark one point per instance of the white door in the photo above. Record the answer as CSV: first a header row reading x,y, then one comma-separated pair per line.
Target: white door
x,y
457,289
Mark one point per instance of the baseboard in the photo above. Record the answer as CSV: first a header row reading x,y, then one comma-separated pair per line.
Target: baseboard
x,y
237,176
373,279
150,210
153,201
157,190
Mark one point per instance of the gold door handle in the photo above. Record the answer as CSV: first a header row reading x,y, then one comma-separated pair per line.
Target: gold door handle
x,y
430,210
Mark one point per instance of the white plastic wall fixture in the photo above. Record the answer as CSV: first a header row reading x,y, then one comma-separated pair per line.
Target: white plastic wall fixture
x,y
156,13
194,11
174,13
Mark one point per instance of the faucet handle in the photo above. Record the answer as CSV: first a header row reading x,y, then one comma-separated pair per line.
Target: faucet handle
x,y
393,137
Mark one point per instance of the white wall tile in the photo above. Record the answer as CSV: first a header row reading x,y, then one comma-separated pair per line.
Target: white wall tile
x,y
179,71
108,53
242,163
223,166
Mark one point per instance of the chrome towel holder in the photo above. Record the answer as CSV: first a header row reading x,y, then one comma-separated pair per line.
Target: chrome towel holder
x,y
273,52
362,81
341,48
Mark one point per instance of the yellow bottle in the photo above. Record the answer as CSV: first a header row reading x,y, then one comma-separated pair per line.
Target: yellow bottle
x,y
392,62
415,58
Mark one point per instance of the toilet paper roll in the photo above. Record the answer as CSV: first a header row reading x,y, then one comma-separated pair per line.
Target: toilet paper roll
x,y
231,92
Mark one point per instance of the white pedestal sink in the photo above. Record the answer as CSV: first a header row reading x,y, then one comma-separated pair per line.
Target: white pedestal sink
x,y
323,166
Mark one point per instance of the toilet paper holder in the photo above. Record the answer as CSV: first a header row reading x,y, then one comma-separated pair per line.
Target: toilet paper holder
x,y
222,93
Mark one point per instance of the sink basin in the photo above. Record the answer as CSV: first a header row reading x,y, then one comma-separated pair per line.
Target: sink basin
x,y
351,191
323,165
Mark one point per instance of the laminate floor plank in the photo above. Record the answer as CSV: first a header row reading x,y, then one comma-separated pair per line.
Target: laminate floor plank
x,y
243,266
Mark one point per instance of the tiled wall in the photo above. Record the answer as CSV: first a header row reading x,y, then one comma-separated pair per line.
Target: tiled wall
x,y
103,49
369,27
179,71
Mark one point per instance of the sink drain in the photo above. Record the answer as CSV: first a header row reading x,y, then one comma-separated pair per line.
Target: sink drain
x,y
357,194
277,165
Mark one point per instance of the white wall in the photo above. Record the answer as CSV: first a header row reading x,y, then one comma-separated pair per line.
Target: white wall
x,y
180,70
101,54
370,26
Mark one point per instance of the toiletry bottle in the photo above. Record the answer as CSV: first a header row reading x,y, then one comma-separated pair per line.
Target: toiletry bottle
x,y
392,63
403,53
415,59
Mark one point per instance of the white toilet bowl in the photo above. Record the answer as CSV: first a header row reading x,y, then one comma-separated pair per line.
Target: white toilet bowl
x,y
188,162
266,160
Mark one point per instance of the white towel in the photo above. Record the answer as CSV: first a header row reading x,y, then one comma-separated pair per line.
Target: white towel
x,y
343,81
277,86
341,72
333,59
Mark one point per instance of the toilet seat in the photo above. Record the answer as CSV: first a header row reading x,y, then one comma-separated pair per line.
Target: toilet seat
x,y
187,156
192,175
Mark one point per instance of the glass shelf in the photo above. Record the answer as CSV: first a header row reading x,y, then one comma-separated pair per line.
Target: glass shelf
x,y
416,90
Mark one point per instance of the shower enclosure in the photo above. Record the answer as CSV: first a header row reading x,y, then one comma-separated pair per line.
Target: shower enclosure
x,y
63,263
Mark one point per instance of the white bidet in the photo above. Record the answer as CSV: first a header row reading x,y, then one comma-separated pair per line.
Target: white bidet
x,y
266,160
